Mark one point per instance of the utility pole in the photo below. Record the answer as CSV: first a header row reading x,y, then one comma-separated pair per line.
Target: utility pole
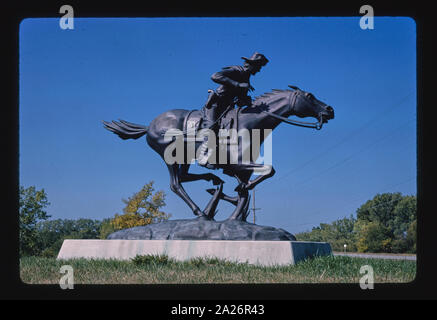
x,y
253,205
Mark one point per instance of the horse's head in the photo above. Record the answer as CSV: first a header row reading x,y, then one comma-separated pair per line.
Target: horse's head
x,y
305,104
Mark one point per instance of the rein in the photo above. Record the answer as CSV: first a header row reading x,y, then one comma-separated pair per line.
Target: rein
x,y
313,125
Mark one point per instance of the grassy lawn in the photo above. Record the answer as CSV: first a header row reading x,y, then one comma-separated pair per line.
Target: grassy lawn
x,y
162,270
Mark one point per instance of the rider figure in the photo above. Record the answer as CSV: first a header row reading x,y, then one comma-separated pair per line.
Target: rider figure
x,y
233,89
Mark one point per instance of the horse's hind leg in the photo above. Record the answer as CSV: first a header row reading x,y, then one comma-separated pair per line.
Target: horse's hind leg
x,y
210,208
185,176
176,187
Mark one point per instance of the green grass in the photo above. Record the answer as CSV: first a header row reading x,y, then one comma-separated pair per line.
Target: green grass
x,y
163,270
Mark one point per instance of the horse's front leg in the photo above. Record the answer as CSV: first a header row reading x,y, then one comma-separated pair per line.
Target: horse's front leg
x,y
240,212
210,209
232,200
268,173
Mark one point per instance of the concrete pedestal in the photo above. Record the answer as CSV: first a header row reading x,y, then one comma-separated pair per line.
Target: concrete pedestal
x,y
254,252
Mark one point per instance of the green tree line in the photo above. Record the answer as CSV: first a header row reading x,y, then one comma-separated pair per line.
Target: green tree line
x,y
386,223
40,236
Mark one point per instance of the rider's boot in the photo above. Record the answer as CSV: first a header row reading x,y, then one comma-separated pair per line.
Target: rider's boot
x,y
204,154
205,151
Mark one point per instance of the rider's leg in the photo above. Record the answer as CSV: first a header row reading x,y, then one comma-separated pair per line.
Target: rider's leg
x,y
209,118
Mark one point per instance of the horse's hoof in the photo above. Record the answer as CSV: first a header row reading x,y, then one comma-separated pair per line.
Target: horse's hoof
x,y
198,213
204,218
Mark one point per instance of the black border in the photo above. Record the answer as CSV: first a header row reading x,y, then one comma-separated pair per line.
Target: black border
x,y
12,287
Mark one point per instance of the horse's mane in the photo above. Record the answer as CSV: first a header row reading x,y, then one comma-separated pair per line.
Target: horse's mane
x,y
268,95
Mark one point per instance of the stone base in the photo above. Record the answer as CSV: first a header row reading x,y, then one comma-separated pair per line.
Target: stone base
x,y
265,253
203,229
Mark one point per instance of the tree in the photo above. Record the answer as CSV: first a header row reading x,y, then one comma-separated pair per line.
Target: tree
x,y
31,210
344,234
380,208
106,228
338,233
411,237
391,215
404,214
372,236
141,209
52,233
386,223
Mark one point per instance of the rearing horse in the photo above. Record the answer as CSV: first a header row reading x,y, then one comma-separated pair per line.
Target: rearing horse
x,y
267,112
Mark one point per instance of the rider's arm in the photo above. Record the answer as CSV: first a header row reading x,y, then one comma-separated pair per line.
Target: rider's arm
x,y
224,77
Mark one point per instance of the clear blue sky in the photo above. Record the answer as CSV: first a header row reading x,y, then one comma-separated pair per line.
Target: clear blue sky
x,y
135,69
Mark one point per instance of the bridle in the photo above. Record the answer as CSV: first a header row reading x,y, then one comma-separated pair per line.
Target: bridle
x,y
313,125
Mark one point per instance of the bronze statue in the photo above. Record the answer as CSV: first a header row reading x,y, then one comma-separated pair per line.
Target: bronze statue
x,y
265,112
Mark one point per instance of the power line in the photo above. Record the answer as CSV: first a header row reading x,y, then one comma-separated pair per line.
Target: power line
x,y
348,158
372,207
390,186
348,137
318,212
359,130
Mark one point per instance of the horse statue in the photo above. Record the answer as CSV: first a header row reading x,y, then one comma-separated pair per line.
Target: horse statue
x,y
265,114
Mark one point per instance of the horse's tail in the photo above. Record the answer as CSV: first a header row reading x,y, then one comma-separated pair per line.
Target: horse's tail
x,y
126,130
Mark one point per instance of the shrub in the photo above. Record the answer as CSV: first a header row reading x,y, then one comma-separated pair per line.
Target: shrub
x,y
141,209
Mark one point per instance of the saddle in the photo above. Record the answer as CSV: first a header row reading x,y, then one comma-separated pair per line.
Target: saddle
x,y
193,122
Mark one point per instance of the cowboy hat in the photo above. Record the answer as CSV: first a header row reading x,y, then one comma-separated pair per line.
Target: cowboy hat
x,y
256,58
